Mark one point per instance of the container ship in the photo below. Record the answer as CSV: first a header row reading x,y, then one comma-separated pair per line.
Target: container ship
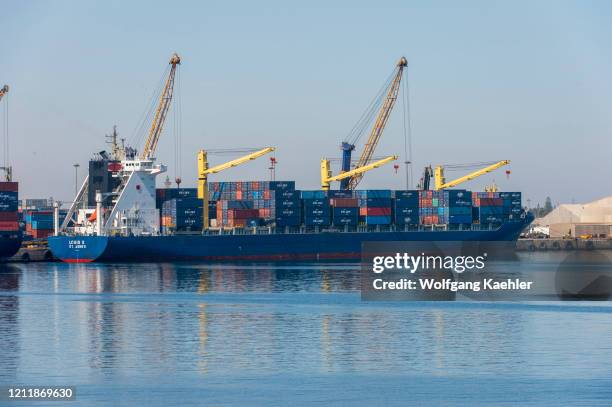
x,y
10,232
118,214
272,221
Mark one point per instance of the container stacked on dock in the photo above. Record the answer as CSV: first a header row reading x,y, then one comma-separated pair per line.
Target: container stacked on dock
x,y
39,224
9,207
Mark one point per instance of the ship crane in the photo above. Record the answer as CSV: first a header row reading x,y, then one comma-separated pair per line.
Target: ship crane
x,y
391,93
8,170
327,178
4,91
204,171
133,202
162,110
440,180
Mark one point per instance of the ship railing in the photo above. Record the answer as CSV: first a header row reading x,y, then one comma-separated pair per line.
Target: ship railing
x,y
267,230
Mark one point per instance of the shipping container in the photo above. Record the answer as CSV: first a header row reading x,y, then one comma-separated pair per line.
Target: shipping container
x,y
378,220
9,186
344,202
316,220
340,194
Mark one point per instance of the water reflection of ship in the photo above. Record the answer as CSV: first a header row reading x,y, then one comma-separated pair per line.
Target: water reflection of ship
x,y
9,321
210,333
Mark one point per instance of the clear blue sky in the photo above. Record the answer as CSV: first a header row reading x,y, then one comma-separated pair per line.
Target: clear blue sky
x,y
525,81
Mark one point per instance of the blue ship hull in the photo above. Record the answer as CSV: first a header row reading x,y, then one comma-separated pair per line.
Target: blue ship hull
x,y
253,247
10,242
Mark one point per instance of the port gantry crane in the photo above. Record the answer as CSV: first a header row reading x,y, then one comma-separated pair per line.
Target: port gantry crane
x,y
391,92
440,180
204,171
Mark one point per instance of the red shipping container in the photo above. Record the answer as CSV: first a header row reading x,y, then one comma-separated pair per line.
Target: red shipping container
x,y
238,195
242,213
377,211
42,233
491,202
8,216
8,225
9,186
344,202
266,194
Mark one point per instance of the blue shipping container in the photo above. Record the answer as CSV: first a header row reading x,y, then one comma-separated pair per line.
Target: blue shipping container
x,y
340,212
378,220
318,202
316,221
312,194
339,194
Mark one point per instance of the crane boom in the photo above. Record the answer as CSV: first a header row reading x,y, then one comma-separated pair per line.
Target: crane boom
x,y
204,171
379,126
162,110
440,181
4,91
327,178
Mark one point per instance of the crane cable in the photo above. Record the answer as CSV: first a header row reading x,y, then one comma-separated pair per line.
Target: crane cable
x,y
177,127
228,151
407,133
368,115
5,131
458,167
138,134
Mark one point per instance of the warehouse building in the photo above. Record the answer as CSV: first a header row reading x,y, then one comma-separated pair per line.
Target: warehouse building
x,y
592,219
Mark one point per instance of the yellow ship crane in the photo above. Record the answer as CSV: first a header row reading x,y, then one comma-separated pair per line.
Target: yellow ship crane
x,y
376,132
8,170
327,178
204,170
4,91
161,112
440,180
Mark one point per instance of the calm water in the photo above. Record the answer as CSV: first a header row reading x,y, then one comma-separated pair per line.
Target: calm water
x,y
269,335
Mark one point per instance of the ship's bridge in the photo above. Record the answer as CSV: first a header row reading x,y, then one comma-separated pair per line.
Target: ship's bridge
x,y
142,165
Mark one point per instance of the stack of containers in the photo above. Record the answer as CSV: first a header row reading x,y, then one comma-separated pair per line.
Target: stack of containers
x,y
286,203
345,211
431,207
236,213
375,206
9,206
182,214
166,194
406,208
512,205
459,206
275,202
488,207
317,211
39,224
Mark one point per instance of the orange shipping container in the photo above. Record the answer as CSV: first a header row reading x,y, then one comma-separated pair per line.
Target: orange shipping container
x,y
9,225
